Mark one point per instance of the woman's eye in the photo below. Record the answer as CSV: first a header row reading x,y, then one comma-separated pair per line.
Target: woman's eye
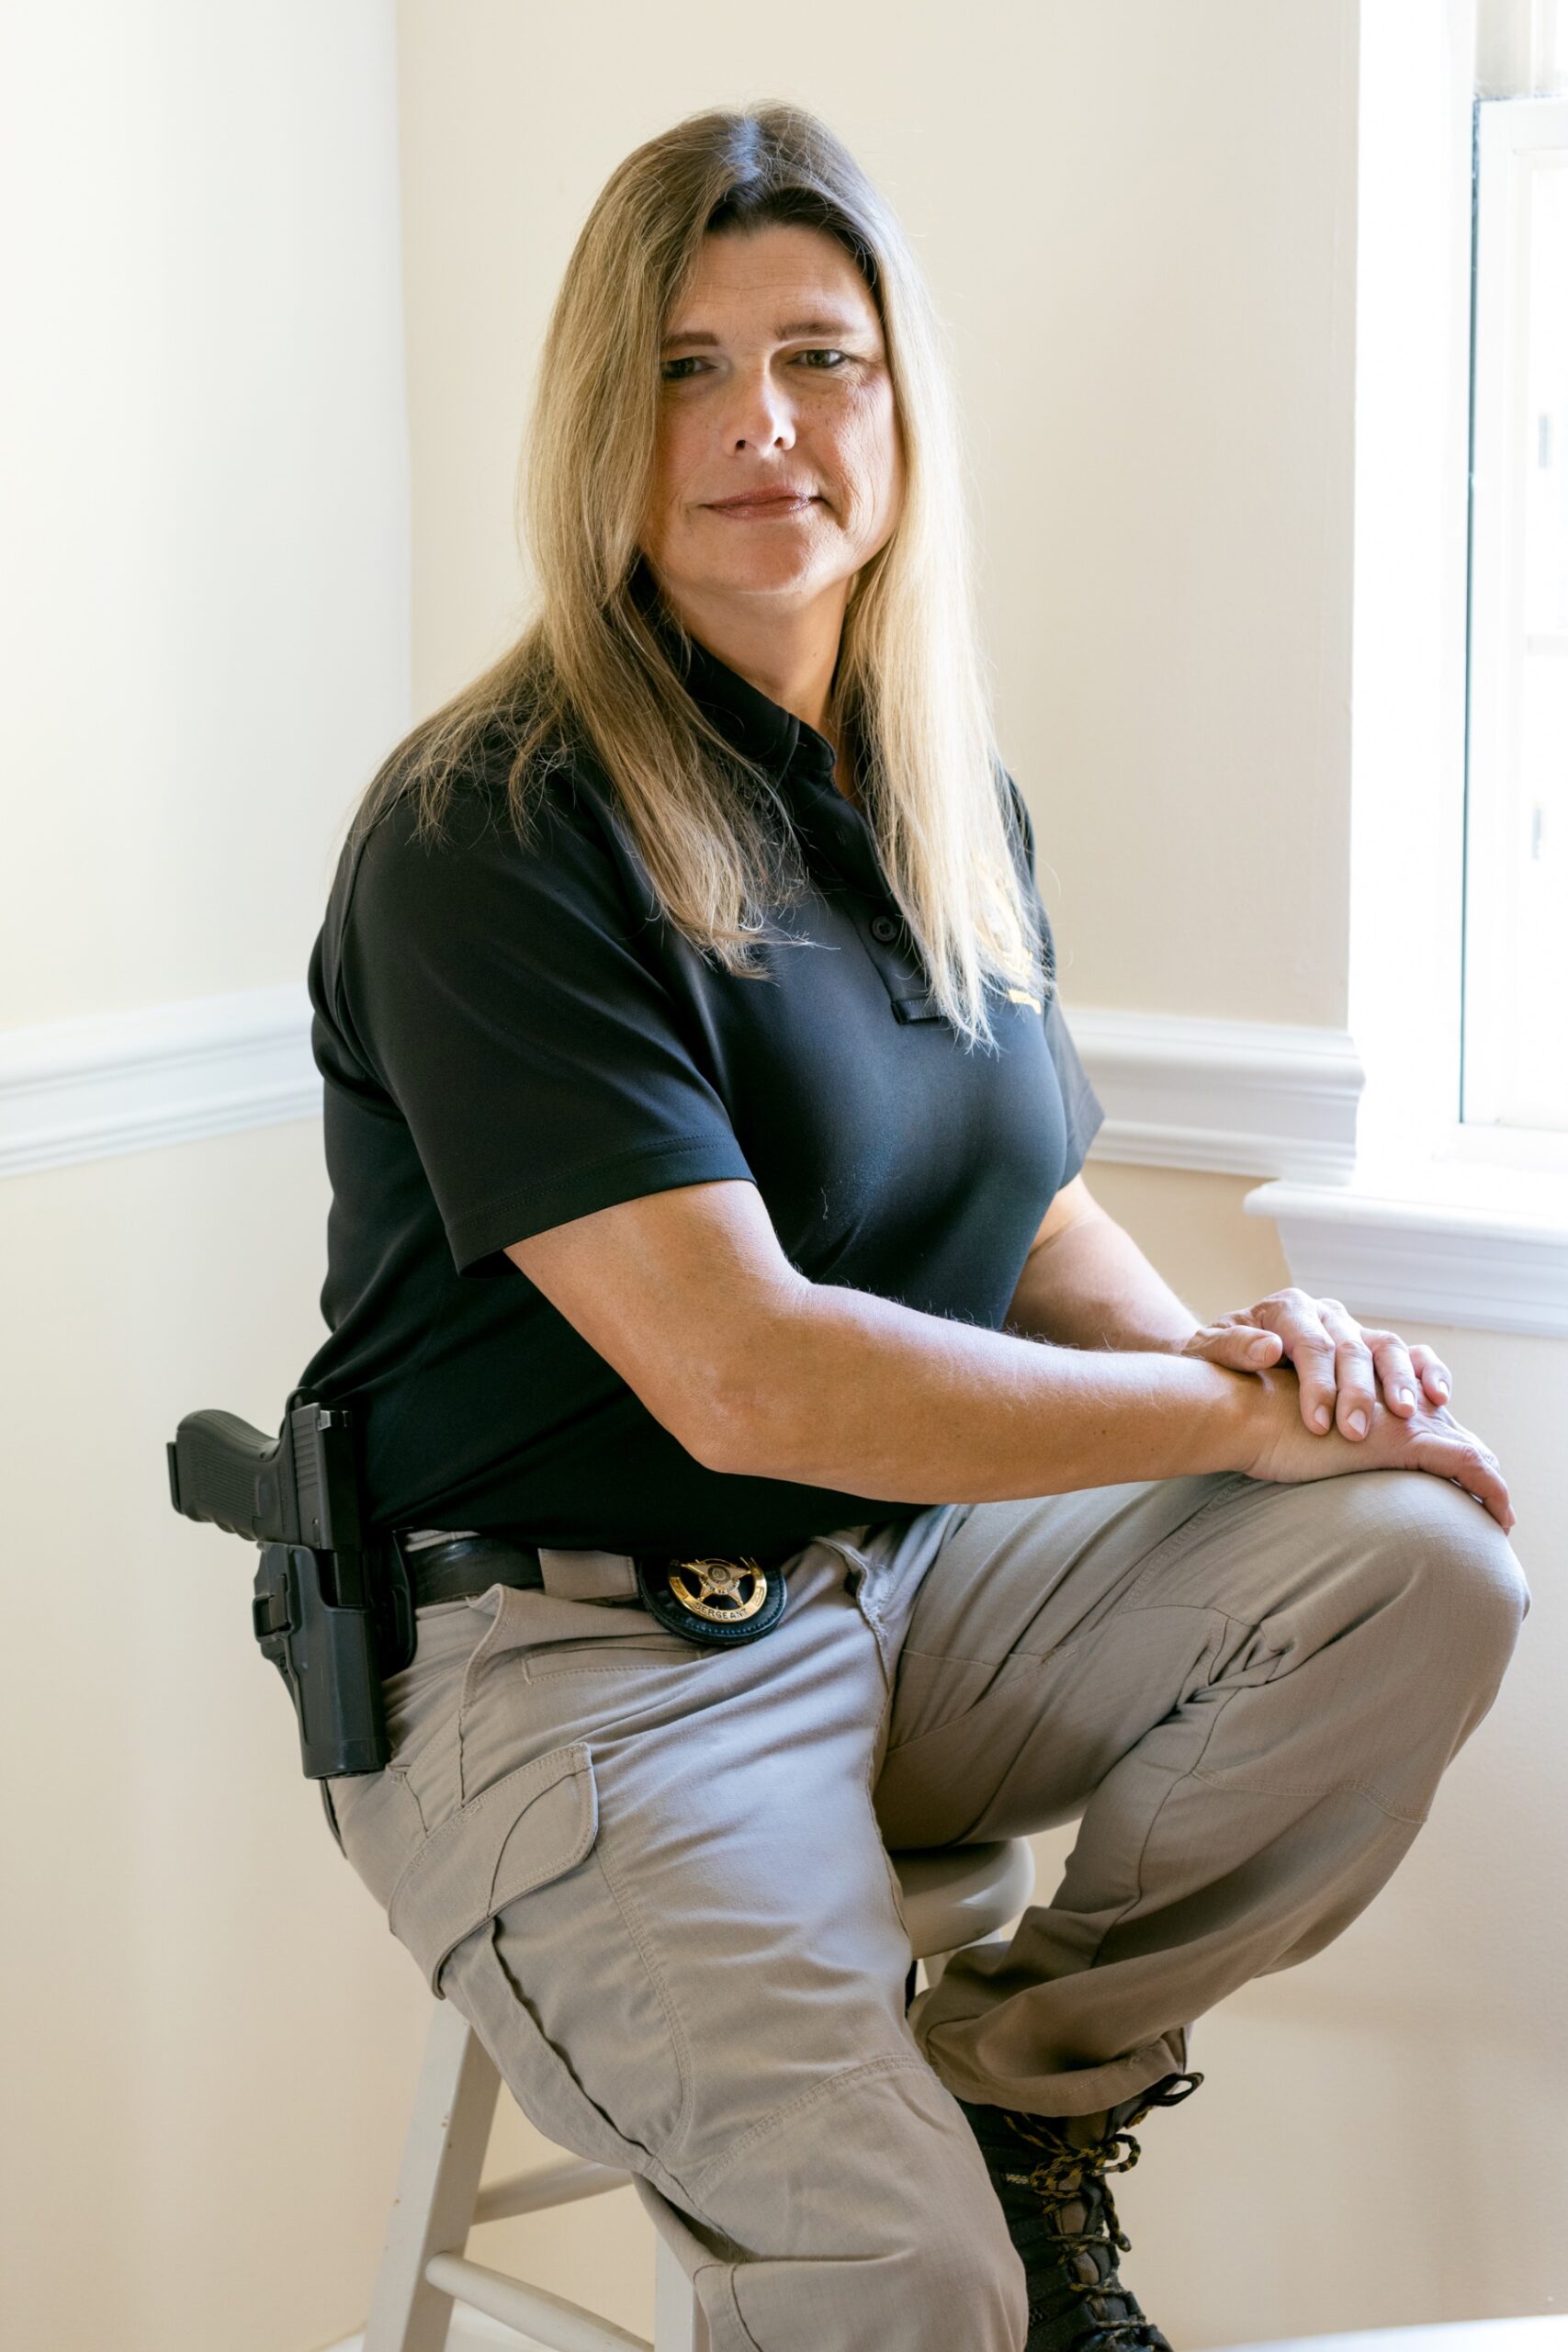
x,y
820,362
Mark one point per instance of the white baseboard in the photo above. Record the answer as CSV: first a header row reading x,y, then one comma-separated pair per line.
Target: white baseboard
x,y
1547,2333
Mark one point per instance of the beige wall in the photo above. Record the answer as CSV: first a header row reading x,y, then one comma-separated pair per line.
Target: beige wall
x,y
1140,222
204,601
206,2042
208,2034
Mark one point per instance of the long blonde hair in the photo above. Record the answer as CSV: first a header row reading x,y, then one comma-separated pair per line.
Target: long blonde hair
x,y
594,665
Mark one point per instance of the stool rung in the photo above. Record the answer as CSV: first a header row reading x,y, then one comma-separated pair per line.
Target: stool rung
x,y
565,2327
532,2192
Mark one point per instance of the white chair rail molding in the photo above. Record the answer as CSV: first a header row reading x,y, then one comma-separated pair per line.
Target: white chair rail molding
x,y
1472,1231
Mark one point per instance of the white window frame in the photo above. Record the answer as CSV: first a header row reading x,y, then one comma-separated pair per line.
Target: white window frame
x,y
1509,134
1442,1222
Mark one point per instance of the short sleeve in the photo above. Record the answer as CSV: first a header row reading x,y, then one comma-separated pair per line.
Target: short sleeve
x,y
1081,1106
502,997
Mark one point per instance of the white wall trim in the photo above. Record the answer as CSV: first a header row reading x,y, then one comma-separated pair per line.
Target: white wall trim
x,y
1474,1246
165,1074
1458,1239
1498,1263
1246,1098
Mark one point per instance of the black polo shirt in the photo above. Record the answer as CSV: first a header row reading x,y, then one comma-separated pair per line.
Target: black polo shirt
x,y
511,1039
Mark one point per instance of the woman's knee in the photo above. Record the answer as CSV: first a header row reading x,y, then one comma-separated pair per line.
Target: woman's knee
x,y
1438,1559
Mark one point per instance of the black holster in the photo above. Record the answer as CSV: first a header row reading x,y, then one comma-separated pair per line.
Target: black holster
x,y
332,1607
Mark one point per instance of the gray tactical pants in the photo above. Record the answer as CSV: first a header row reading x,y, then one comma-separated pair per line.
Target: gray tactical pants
x,y
654,1877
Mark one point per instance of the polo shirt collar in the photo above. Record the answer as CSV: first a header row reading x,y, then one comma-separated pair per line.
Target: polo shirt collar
x,y
760,728
833,834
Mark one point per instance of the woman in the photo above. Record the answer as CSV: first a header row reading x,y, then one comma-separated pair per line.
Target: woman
x,y
791,1459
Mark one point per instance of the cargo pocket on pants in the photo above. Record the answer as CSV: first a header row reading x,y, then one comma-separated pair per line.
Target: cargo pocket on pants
x,y
556,1988
530,1826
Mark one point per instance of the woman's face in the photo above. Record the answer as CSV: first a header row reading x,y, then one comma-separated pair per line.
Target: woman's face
x,y
775,389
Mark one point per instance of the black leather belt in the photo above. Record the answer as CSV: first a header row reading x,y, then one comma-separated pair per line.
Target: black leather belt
x,y
715,1600
466,1564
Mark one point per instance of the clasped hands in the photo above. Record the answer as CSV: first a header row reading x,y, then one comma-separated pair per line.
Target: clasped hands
x,y
1345,1374
1339,1366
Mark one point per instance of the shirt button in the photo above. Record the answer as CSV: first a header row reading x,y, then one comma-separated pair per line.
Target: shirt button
x,y
884,928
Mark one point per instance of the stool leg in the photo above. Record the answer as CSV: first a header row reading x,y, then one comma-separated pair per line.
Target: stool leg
x,y
433,2208
678,2322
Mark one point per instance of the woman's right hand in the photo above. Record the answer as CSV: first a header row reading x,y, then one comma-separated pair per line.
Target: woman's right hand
x,y
1285,1451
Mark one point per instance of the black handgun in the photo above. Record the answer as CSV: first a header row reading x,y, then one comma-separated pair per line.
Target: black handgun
x,y
332,1609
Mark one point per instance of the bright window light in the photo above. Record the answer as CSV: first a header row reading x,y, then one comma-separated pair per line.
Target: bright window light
x,y
1516,982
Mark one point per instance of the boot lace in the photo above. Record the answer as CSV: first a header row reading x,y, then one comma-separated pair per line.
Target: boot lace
x,y
1074,2176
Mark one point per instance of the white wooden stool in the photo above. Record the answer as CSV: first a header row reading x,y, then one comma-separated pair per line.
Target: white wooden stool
x,y
953,1896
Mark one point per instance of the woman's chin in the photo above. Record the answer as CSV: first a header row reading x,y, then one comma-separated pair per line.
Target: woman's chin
x,y
770,575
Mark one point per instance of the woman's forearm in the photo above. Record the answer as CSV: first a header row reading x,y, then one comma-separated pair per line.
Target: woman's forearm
x,y
760,1372
855,1392
1089,1285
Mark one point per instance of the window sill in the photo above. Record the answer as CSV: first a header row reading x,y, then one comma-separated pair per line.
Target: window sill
x,y
1456,1238
1470,1227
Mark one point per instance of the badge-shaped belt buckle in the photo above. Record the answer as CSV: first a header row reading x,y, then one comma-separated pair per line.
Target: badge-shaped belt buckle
x,y
716,1601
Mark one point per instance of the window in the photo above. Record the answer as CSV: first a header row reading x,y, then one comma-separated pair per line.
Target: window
x,y
1516,959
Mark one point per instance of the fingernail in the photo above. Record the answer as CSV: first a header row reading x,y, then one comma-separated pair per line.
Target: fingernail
x,y
1259,1350
1442,1387
1357,1423
1403,1397
1320,1417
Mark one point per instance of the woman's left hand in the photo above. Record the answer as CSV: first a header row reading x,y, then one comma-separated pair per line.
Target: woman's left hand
x,y
1340,1367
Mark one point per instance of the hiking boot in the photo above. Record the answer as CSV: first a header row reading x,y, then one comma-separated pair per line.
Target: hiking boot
x,y
1049,2173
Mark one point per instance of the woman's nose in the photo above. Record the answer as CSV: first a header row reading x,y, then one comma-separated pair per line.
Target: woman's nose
x,y
760,414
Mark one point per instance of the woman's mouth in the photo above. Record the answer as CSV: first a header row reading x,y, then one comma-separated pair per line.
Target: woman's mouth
x,y
763,506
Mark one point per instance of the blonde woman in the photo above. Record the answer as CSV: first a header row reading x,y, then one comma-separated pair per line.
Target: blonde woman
x,y
790,1460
